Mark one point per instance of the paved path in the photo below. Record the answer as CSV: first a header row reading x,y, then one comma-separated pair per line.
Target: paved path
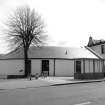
x,y
23,83
41,82
67,80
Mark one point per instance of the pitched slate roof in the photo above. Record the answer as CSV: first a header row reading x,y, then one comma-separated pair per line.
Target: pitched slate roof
x,y
94,52
52,52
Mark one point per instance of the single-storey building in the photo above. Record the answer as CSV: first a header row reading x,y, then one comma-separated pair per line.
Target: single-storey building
x,y
57,61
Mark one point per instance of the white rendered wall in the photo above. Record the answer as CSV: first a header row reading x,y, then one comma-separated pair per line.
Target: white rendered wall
x,y
101,66
64,67
82,69
86,66
91,66
11,67
36,66
96,66
51,67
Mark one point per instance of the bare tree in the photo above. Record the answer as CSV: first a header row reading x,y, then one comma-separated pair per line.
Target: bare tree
x,y
25,27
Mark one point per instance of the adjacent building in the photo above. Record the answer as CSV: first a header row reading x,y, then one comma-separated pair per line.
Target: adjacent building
x,y
97,47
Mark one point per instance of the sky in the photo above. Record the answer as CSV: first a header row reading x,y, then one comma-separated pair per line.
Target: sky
x,y
68,22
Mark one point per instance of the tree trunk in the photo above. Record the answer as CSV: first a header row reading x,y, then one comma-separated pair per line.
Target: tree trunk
x,y
26,62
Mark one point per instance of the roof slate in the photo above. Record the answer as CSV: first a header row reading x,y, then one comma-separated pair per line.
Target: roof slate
x,y
51,52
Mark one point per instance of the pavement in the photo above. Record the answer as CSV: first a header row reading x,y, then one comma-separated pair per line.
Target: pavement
x,y
41,82
68,80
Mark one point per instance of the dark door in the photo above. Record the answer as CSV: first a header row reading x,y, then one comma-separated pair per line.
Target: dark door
x,y
104,70
78,66
45,66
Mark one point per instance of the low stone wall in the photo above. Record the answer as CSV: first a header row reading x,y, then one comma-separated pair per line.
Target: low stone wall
x,y
88,75
15,76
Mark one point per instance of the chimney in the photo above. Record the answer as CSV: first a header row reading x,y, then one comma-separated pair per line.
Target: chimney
x,y
90,43
90,38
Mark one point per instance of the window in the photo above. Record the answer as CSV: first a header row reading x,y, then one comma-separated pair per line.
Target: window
x,y
102,49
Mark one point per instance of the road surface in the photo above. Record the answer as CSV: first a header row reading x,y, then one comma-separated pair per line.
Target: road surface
x,y
75,94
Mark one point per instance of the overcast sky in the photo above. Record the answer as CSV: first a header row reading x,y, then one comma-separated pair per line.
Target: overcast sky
x,y
68,22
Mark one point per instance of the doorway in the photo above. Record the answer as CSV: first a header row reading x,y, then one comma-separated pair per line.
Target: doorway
x,y
45,67
78,66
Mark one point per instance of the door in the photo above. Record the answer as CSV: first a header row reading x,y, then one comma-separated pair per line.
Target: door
x,y
45,66
104,70
78,66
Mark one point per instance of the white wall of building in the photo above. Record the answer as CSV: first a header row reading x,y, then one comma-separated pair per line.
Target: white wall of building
x,y
51,67
91,66
11,67
101,66
97,66
64,67
36,66
82,69
87,66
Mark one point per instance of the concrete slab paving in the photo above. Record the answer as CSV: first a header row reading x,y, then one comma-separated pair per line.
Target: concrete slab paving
x,y
26,83
68,80
41,82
